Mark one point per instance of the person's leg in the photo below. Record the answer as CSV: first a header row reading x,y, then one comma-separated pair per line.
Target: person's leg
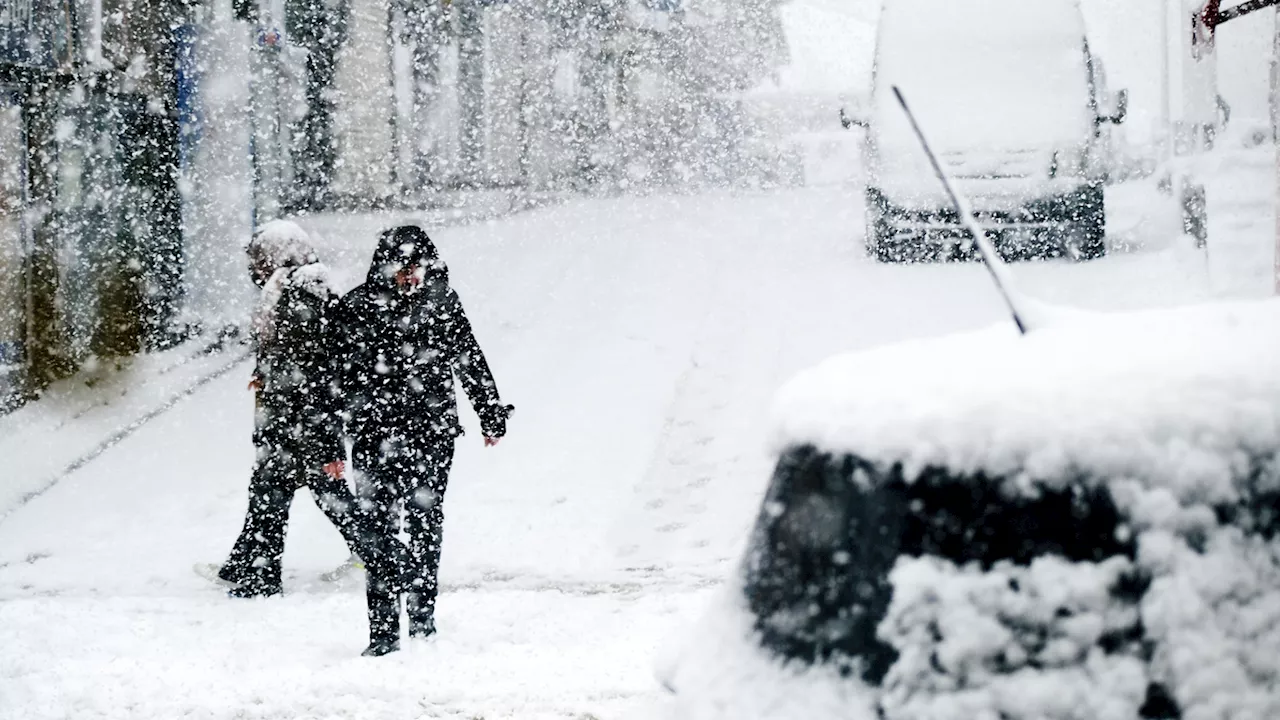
x,y
424,511
245,549
237,566
256,558
377,524
339,505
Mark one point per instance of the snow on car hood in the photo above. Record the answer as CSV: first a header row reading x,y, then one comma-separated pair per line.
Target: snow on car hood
x,y
1181,398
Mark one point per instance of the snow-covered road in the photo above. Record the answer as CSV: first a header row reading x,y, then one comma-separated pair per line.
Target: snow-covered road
x,y
640,340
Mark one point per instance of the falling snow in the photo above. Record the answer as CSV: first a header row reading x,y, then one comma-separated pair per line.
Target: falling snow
x,y
668,246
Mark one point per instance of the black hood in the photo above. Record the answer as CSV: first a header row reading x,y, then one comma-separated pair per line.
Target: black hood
x,y
402,247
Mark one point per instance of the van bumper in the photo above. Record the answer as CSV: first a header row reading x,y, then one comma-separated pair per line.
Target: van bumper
x,y
1051,226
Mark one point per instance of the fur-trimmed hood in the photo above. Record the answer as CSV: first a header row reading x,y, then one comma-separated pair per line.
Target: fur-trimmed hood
x,y
284,250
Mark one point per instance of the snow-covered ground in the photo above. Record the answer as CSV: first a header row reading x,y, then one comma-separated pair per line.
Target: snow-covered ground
x,y
641,341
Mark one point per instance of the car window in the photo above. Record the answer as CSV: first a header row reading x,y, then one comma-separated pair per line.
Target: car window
x,y
833,526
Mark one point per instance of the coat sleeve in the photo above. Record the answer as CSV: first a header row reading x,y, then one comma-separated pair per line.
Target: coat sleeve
x,y
317,335
350,382
473,371
357,352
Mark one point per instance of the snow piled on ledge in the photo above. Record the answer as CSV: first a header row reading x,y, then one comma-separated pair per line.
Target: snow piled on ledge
x,y
1184,399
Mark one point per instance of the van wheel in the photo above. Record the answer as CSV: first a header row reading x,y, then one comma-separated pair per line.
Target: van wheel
x,y
879,243
872,242
882,246
1087,215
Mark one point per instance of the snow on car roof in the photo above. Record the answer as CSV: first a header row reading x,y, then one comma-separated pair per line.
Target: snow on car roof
x,y
1184,398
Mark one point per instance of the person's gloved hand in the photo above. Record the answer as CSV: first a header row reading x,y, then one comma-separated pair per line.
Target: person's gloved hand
x,y
493,422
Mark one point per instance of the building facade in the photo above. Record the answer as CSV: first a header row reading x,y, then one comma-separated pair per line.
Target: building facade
x,y
91,255
38,56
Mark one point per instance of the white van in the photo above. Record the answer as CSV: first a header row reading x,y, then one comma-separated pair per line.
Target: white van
x,y
1016,107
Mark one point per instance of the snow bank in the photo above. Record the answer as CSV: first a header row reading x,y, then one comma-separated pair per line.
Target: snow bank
x,y
719,671
1184,399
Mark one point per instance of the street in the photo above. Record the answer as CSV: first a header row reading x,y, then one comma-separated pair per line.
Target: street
x,y
641,340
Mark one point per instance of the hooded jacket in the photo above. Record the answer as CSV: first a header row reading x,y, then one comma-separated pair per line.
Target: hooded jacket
x,y
293,331
402,349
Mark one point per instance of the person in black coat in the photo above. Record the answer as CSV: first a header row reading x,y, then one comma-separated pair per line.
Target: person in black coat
x,y
406,337
297,421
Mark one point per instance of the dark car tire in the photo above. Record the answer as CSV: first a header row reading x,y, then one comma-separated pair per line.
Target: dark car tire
x,y
883,247
874,215
1087,215
880,243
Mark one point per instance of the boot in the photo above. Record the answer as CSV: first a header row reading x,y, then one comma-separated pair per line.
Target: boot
x,y
384,620
381,646
422,628
232,575
216,574
254,590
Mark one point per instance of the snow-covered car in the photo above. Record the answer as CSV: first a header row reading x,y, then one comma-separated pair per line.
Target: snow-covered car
x,y
1011,97
1078,524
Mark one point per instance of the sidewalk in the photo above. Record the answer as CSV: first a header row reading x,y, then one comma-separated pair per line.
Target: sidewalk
x,y
587,315
77,419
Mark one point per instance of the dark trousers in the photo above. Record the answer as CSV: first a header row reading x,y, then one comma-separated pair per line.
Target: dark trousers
x,y
396,475
256,557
